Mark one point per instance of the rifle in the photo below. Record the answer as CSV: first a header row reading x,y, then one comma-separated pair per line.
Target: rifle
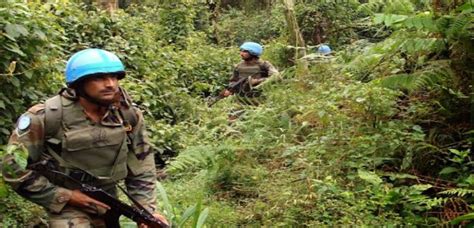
x,y
138,214
232,87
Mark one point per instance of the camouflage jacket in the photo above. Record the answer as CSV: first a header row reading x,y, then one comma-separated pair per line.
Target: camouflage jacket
x,y
28,139
255,69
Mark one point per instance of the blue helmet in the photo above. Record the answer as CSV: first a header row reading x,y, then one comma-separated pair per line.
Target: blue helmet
x,y
324,49
252,47
91,62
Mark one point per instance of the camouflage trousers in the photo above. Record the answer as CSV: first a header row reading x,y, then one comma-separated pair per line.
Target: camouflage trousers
x,y
74,217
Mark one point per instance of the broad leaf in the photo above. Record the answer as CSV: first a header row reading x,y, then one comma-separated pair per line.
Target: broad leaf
x,y
448,170
202,218
369,177
186,215
461,218
16,30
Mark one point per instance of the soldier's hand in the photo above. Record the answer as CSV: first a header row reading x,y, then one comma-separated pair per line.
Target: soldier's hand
x,y
226,93
81,200
255,81
159,217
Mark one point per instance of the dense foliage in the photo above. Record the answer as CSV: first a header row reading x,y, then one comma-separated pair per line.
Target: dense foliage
x,y
377,134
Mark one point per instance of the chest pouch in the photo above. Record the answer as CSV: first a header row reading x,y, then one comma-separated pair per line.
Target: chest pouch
x,y
101,151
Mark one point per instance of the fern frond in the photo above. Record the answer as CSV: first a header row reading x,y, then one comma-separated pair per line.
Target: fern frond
x,y
429,202
424,45
193,157
371,7
421,22
461,27
399,7
461,192
390,7
400,81
389,19
428,77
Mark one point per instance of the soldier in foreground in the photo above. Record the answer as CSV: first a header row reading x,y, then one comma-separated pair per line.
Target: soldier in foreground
x,y
92,134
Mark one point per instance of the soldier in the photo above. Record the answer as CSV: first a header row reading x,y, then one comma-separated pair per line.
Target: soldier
x,y
250,67
92,133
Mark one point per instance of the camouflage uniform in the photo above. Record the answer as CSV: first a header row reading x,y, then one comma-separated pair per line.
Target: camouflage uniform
x,y
129,155
256,69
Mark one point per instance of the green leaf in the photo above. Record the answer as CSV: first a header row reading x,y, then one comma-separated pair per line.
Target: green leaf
x,y
448,170
417,128
378,18
202,218
9,37
421,187
16,30
418,23
40,34
456,152
28,74
5,131
409,23
395,176
15,49
467,7
428,23
461,218
470,180
186,215
15,82
164,199
3,189
369,177
196,215
389,19
20,160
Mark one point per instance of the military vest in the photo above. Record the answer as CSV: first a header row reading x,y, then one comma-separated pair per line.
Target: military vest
x,y
99,149
258,70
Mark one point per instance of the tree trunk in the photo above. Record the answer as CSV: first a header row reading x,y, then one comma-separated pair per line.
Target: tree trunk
x,y
214,9
296,39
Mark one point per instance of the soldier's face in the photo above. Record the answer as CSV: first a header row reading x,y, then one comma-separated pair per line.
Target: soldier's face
x,y
245,55
102,88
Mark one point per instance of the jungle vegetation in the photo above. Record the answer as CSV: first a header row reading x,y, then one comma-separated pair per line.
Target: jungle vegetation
x,y
380,133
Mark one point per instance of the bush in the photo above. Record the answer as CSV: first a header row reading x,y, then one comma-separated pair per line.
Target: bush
x,y
31,46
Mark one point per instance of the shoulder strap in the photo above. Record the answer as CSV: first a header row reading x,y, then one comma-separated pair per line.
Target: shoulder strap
x,y
127,110
263,69
130,116
53,116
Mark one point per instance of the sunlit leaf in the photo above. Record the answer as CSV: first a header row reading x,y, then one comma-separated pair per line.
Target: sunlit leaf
x,y
16,30
369,177
448,170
